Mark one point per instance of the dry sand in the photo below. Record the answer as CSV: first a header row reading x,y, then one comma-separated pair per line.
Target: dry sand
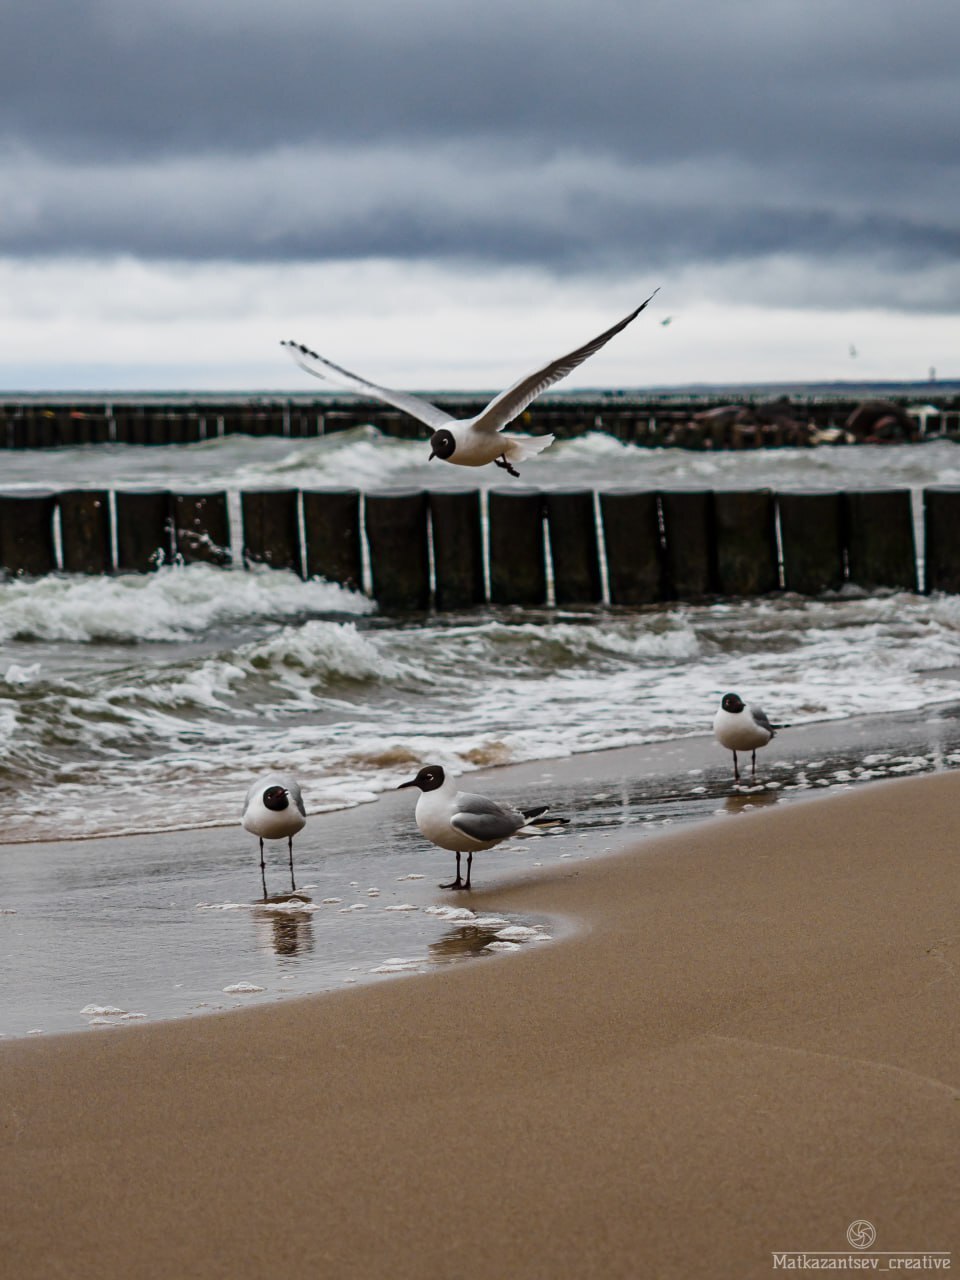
x,y
751,1041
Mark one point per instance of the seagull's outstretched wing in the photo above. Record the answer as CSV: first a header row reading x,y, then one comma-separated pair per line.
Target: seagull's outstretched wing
x,y
326,370
505,407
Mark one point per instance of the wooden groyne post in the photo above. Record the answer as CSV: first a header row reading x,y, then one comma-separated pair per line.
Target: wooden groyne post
x,y
436,549
518,571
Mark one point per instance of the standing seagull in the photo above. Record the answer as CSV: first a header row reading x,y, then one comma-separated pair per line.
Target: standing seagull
x,y
741,728
269,814
464,822
469,442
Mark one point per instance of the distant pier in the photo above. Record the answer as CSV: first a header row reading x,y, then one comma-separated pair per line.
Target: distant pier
x,y
692,422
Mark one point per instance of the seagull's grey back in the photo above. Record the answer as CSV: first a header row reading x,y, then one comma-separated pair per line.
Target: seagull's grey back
x,y
761,719
483,818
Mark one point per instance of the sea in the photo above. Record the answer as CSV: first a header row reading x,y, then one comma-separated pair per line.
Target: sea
x,y
143,705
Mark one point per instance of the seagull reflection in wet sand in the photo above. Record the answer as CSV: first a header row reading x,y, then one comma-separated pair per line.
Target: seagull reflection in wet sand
x,y
285,933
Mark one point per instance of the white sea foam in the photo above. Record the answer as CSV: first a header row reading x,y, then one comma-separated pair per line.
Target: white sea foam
x,y
292,907
175,603
242,989
459,915
517,933
399,965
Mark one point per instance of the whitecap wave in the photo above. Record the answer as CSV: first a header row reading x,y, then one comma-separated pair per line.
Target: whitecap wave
x,y
176,603
354,708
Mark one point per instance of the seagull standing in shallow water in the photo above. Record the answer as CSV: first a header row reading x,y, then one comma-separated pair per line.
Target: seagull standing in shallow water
x,y
470,442
464,822
273,810
741,728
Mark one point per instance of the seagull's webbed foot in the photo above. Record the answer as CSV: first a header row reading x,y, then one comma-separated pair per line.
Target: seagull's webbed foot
x,y
502,462
454,884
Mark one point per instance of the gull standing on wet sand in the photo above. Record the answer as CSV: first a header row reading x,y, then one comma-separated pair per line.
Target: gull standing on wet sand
x,y
741,728
463,822
273,810
470,442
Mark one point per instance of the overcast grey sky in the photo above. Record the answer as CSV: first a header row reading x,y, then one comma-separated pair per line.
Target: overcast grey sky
x,y
182,183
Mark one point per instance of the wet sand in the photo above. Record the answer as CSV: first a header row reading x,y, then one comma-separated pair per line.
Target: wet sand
x,y
750,1041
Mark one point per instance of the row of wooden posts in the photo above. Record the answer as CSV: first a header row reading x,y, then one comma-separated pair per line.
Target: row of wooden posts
x,y
443,550
27,425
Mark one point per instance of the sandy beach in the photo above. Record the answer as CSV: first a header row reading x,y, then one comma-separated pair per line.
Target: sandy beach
x,y
748,1041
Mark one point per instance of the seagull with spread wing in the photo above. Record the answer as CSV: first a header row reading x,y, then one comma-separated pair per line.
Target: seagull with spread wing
x,y
470,442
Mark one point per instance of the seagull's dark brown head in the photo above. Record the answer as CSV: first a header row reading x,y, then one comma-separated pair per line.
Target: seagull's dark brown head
x,y
430,778
276,798
442,445
733,703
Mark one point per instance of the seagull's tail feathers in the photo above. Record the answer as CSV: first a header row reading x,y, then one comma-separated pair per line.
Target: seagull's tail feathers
x,y
536,823
520,448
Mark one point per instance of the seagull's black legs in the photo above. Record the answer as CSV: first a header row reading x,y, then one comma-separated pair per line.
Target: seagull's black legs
x,y
293,886
469,865
263,869
753,773
458,883
736,770
502,462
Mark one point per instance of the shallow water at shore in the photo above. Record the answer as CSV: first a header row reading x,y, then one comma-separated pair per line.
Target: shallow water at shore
x,y
104,932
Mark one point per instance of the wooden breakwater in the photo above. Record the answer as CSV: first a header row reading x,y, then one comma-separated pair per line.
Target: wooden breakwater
x,y
416,550
701,423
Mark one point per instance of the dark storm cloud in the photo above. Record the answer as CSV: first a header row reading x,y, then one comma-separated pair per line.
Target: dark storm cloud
x,y
567,135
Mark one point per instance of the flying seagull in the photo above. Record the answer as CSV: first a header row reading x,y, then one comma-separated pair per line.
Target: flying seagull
x,y
470,442
741,728
463,822
273,810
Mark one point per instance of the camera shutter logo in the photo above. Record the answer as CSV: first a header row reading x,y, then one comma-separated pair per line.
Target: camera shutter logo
x,y
861,1234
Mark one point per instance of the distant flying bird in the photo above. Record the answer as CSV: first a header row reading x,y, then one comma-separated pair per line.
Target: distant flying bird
x,y
666,320
273,810
741,728
853,351
463,822
470,442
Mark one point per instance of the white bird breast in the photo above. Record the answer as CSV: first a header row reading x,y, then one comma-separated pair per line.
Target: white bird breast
x,y
739,732
273,824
